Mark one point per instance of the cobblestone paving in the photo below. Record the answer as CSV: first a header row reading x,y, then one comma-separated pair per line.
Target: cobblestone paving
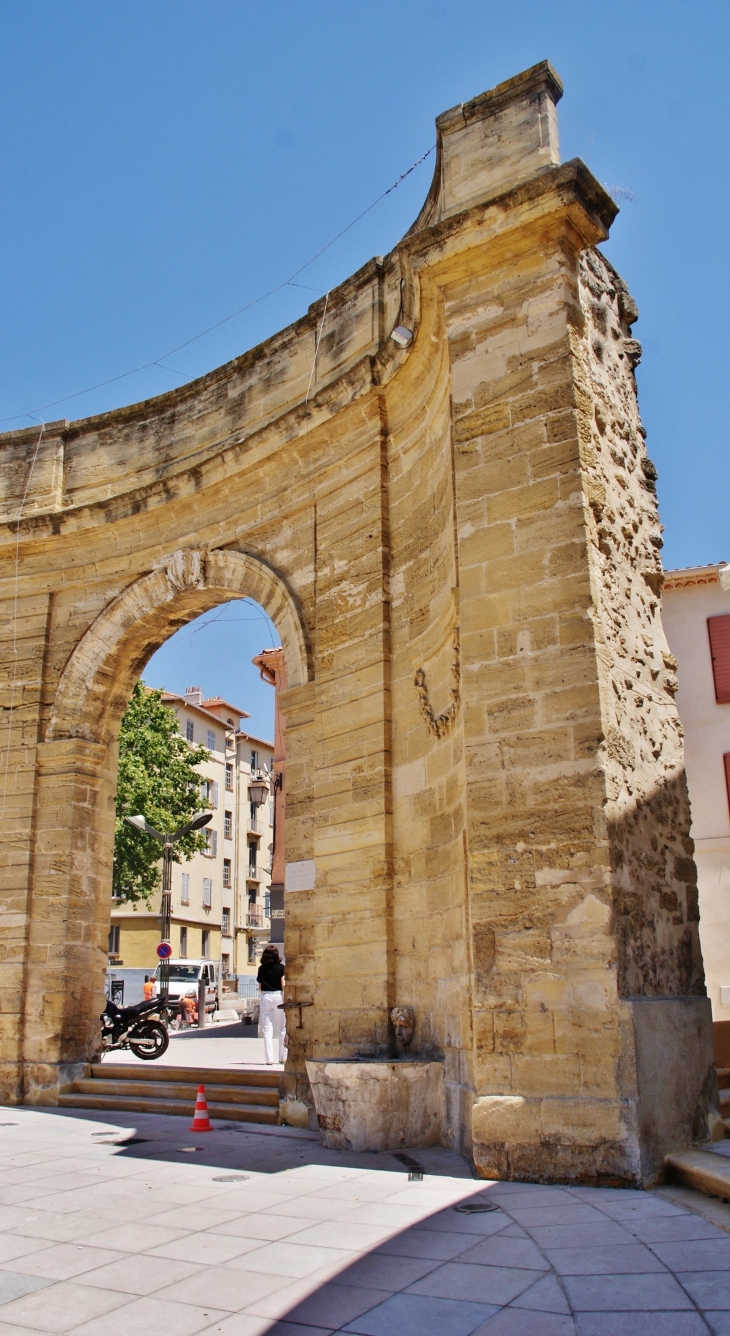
x,y
262,1231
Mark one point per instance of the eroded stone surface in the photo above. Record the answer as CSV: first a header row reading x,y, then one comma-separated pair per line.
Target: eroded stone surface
x,y
377,1105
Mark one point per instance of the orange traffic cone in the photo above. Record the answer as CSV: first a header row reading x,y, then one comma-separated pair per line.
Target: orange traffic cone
x,y
201,1122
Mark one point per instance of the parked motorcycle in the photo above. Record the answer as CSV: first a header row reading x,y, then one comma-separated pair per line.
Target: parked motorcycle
x,y
141,1028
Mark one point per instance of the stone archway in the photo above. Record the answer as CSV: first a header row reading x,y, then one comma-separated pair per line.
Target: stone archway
x,y
77,780
456,534
125,634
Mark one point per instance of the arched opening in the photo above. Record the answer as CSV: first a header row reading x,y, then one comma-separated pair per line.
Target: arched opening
x,y
220,908
77,781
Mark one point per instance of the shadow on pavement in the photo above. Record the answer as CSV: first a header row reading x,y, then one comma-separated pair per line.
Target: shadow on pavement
x,y
236,1147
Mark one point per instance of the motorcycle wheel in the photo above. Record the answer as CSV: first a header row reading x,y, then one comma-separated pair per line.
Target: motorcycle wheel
x,y
150,1041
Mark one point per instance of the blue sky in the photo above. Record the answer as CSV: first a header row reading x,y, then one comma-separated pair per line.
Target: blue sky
x,y
165,163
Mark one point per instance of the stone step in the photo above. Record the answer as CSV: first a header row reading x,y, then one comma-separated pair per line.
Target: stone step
x,y
230,1113
702,1170
177,1090
128,1071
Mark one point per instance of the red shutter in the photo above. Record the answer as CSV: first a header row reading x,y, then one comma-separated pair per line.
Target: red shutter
x,y
726,759
719,632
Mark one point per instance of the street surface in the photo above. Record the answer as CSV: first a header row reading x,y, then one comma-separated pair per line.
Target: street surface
x,y
263,1231
221,1045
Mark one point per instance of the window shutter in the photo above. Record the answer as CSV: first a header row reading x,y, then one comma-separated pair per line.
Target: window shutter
x,y
185,895
214,843
215,794
207,892
719,632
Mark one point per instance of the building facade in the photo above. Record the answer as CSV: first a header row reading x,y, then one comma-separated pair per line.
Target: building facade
x,y
221,896
696,615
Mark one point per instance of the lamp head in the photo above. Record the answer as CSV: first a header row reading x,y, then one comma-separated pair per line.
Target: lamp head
x,y
257,791
201,819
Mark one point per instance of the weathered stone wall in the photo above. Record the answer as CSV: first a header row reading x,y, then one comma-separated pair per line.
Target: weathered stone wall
x,y
654,878
455,542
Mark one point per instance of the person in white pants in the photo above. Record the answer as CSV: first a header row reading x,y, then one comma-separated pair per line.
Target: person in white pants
x,y
272,1022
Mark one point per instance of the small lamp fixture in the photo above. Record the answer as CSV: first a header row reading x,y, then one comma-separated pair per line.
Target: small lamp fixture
x,y
402,336
258,791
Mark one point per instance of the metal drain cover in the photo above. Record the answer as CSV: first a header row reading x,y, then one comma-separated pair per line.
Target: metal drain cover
x,y
476,1207
231,1178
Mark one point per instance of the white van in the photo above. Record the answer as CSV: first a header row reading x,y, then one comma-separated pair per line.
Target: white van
x,y
185,977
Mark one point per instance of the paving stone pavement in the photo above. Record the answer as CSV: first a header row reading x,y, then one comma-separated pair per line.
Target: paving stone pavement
x,y
262,1231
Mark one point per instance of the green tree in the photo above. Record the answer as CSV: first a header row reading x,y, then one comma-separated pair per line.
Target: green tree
x,y
157,777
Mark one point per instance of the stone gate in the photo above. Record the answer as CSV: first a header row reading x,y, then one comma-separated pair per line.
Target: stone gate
x,y
458,541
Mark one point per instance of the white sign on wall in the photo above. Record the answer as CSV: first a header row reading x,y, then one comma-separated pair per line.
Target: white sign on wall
x,y
299,876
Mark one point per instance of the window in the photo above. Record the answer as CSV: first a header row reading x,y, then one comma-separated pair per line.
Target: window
x,y
252,950
207,893
226,923
267,905
211,740
228,825
206,944
229,777
225,966
183,943
114,940
211,843
718,629
254,760
271,812
185,892
190,730
227,880
252,860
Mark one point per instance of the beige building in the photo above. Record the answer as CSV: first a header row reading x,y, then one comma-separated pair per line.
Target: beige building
x,y
220,897
696,615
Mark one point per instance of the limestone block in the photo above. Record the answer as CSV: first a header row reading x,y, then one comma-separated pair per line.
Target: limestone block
x,y
376,1105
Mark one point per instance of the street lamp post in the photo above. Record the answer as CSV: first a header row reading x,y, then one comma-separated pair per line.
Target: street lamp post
x,y
167,841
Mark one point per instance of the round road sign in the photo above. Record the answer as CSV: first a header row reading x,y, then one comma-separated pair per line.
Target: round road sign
x,y
164,951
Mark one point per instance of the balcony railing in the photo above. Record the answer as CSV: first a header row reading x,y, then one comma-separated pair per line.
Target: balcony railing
x,y
254,825
255,918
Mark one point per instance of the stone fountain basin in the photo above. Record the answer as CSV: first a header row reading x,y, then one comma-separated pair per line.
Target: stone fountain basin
x,y
375,1103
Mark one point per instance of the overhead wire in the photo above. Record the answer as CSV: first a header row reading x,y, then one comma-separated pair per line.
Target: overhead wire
x,y
287,282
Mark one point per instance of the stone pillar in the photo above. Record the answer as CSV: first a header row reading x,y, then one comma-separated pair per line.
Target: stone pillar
x,y
25,622
581,885
69,913
339,935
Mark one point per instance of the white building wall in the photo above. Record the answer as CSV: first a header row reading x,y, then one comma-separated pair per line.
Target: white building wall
x,y
689,598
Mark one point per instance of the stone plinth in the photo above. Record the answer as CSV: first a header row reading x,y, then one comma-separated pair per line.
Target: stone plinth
x,y
364,1104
